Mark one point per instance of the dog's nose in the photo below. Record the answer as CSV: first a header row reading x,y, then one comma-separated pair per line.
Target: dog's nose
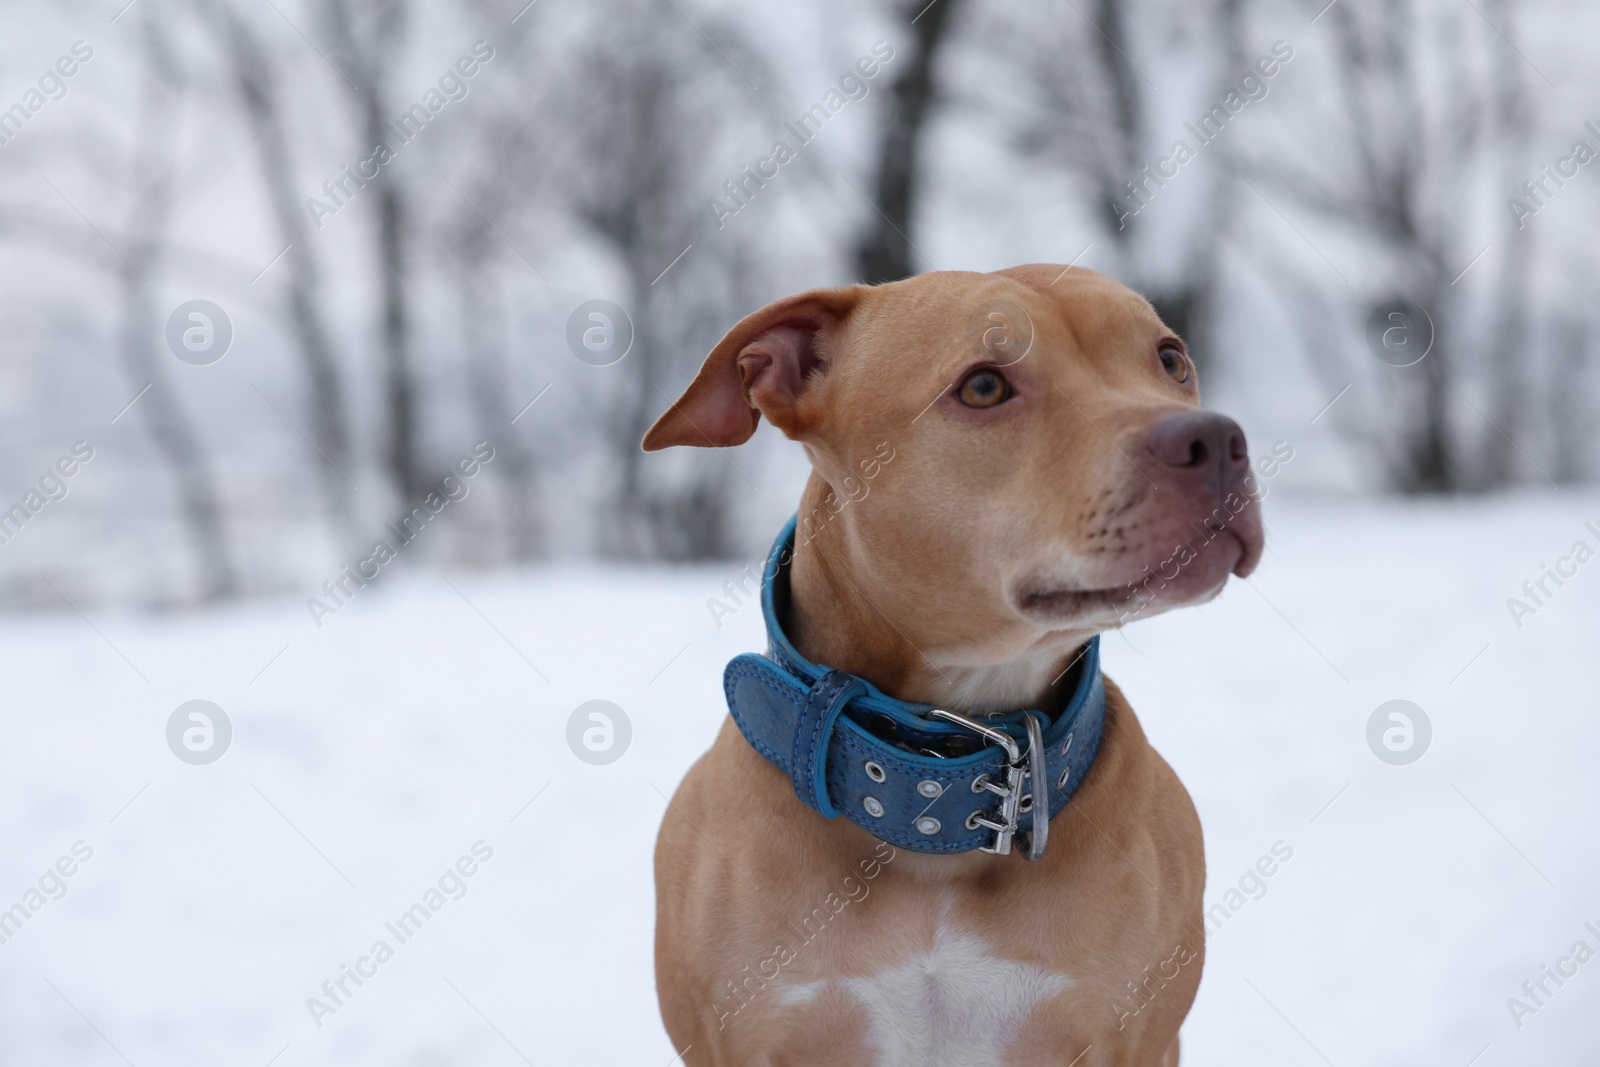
x,y
1201,446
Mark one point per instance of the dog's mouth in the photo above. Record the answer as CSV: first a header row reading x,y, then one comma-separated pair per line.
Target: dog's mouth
x,y
1059,603
1193,571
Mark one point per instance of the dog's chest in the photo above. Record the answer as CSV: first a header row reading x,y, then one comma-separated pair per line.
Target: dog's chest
x,y
954,1004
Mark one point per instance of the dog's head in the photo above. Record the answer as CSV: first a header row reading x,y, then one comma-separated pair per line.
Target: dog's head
x,y
1025,448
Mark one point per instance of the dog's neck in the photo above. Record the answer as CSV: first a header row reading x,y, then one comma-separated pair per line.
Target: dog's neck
x,y
841,615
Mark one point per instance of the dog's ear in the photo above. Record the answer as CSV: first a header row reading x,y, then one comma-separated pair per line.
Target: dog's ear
x,y
764,366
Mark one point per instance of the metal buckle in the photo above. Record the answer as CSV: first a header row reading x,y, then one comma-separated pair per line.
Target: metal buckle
x,y
1040,778
1011,793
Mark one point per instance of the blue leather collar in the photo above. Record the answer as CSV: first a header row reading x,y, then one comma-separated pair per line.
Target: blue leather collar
x,y
890,766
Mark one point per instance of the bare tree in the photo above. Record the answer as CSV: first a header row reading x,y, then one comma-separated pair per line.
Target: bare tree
x,y
256,84
499,153
369,39
883,252
1570,402
632,163
1191,303
1089,115
1082,107
482,316
145,235
1395,176
1509,348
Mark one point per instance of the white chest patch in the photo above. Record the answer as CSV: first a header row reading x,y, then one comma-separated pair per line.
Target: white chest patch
x,y
955,1004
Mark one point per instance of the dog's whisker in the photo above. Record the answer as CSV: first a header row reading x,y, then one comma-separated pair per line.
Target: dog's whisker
x,y
1124,634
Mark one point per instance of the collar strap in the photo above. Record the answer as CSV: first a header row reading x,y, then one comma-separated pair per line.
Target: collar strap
x,y
918,777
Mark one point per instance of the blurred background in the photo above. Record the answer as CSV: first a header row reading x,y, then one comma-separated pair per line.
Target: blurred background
x,y
283,276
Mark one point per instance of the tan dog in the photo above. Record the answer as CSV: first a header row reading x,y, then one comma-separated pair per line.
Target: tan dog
x,y
1051,477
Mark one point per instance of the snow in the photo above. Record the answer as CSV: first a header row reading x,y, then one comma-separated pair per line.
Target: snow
x,y
374,752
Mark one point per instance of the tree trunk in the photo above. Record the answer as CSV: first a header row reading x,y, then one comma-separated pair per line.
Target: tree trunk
x,y
254,81
1191,308
638,533
367,63
884,252
1429,463
1508,346
489,384
399,391
169,424
1571,423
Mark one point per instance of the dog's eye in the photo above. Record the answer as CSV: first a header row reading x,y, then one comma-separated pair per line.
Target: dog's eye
x,y
983,389
1174,362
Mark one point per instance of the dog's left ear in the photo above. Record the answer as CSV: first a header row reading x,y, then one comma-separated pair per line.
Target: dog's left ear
x,y
766,365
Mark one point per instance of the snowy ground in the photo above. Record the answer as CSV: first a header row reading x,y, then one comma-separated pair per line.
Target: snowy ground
x,y
375,752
